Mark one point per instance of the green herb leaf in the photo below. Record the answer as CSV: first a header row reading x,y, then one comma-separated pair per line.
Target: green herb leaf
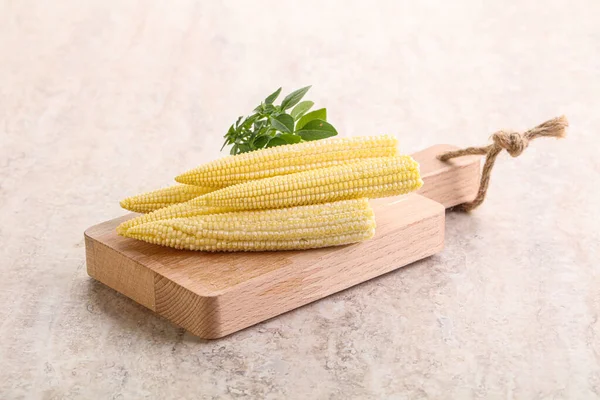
x,y
276,141
228,137
301,109
261,141
293,98
243,148
317,114
283,123
270,125
273,96
317,129
290,138
238,122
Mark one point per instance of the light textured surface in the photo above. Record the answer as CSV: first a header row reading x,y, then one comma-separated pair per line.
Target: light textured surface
x,y
104,99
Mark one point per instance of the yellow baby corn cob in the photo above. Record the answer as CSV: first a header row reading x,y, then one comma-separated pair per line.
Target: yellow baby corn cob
x,y
181,210
294,228
372,178
288,159
150,201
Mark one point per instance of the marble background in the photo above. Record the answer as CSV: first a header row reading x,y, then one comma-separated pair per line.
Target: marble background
x,y
103,99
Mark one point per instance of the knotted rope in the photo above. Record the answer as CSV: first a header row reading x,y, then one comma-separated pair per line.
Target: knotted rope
x,y
514,143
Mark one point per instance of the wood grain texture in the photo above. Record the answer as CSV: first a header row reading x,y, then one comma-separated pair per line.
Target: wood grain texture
x,y
118,269
451,182
215,294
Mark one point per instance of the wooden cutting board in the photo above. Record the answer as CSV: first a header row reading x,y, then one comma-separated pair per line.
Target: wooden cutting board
x,y
215,294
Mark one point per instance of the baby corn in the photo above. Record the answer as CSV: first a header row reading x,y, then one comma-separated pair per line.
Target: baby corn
x,y
371,178
151,201
288,159
295,228
374,177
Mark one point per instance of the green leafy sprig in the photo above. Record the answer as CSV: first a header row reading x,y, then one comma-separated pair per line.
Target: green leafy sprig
x,y
272,125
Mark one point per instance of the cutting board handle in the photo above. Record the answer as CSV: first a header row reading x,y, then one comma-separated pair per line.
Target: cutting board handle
x,y
449,182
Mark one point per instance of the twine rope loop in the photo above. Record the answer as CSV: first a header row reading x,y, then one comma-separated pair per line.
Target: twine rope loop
x,y
514,143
